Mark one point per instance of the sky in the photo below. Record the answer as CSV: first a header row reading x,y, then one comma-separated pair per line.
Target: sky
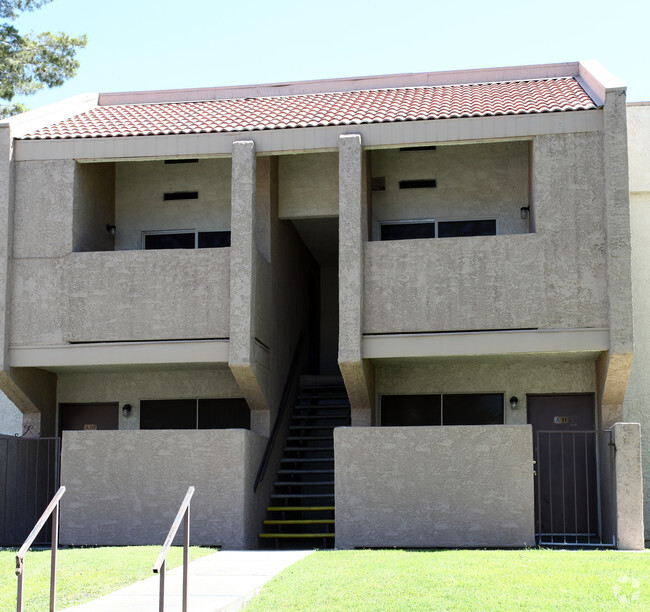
x,y
168,44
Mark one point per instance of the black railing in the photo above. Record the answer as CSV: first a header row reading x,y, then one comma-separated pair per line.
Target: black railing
x,y
284,400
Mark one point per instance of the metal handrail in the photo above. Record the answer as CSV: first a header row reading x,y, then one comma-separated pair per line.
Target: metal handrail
x,y
281,409
53,509
182,515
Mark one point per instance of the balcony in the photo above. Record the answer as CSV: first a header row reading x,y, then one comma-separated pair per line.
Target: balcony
x,y
122,296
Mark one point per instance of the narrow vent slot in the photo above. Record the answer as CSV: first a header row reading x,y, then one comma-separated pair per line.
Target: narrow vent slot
x,y
181,195
181,161
418,184
430,148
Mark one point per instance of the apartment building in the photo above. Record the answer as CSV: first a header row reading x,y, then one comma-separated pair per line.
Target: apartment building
x,y
451,251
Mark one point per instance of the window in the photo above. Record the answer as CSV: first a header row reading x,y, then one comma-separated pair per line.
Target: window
x,y
430,228
442,409
186,239
229,413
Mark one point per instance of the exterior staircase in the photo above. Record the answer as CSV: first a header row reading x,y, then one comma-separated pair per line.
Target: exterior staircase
x,y
301,512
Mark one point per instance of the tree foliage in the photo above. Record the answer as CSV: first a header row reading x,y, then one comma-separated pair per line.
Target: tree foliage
x,y
29,62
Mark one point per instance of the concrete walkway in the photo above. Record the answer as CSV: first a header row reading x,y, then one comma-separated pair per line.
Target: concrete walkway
x,y
225,580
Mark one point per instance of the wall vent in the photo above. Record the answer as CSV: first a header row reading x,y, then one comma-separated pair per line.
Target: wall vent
x,y
417,184
379,183
181,195
430,148
181,161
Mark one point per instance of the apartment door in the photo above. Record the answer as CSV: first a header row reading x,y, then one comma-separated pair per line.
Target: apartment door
x,y
74,417
566,481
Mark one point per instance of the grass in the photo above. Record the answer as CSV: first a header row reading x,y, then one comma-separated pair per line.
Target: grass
x,y
460,580
82,573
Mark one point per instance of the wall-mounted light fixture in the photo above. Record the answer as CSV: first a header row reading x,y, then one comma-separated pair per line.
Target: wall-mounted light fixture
x,y
126,410
110,229
524,212
514,402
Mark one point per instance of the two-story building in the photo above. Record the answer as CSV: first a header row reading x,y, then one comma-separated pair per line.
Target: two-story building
x,y
455,246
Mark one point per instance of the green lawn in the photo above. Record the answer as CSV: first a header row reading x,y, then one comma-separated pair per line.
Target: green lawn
x,y
83,573
461,580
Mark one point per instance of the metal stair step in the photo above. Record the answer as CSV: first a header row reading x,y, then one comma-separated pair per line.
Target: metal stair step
x,y
322,483
299,522
296,535
300,495
299,508
306,459
305,472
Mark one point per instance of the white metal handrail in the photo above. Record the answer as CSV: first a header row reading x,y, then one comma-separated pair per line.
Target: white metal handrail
x,y
53,509
159,567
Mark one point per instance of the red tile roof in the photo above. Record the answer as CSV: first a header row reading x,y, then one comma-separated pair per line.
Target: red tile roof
x,y
325,109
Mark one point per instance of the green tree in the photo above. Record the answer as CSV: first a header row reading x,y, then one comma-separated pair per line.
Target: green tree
x,y
29,62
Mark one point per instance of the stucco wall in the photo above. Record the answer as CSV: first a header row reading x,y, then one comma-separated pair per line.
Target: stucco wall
x,y
44,208
111,296
139,204
126,385
11,419
472,181
125,487
434,486
308,185
556,278
508,375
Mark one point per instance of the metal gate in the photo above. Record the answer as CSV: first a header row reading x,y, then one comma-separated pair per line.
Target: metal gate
x,y
29,477
569,488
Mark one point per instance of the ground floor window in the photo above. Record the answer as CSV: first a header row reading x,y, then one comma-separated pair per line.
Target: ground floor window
x,y
442,409
228,413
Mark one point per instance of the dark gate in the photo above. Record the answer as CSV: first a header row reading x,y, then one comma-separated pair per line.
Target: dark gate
x,y
29,474
568,509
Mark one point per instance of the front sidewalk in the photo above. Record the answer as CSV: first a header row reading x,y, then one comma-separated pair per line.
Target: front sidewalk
x,y
222,581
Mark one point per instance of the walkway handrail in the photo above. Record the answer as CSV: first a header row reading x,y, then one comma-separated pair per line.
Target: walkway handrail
x,y
159,567
281,409
53,509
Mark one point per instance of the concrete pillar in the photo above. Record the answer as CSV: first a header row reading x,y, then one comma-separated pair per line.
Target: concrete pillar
x,y
628,486
614,367
243,255
353,232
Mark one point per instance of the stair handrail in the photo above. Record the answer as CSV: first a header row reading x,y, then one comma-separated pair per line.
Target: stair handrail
x,y
52,508
261,472
183,514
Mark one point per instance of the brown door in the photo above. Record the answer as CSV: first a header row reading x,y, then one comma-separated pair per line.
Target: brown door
x,y
88,416
566,483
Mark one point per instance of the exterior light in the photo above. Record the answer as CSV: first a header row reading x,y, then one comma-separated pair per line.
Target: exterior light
x,y
126,410
514,402
524,212
110,229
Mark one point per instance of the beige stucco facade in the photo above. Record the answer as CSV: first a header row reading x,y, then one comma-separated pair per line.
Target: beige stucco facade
x,y
543,306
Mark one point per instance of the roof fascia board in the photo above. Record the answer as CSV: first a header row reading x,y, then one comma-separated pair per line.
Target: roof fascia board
x,y
598,81
29,122
132,353
452,77
485,343
297,140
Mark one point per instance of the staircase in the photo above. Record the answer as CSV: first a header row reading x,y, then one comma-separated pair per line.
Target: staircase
x,y
301,512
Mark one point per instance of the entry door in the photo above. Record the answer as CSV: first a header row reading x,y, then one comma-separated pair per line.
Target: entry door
x,y
74,417
566,483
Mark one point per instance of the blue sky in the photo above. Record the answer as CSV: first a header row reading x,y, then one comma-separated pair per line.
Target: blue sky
x,y
165,44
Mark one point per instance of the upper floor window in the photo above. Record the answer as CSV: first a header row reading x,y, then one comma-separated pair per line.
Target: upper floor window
x,y
432,228
186,239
